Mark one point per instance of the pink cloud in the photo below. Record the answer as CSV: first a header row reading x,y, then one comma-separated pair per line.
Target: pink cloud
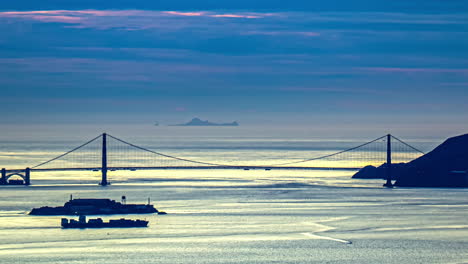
x,y
309,34
184,13
125,19
21,13
78,12
61,19
236,16
126,13
210,14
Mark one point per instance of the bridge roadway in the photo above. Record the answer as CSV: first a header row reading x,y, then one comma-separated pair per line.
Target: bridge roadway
x,y
187,168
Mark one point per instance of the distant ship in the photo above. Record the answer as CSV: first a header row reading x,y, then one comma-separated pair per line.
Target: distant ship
x,y
95,207
99,223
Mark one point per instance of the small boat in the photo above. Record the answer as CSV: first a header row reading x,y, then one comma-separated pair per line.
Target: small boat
x,y
99,223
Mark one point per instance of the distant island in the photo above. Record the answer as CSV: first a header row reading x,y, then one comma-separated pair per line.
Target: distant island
x,y
199,122
445,166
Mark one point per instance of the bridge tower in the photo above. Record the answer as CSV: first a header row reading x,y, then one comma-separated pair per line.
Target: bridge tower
x,y
3,180
27,176
104,161
389,184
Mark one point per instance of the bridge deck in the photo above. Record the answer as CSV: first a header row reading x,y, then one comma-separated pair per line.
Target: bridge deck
x,y
188,168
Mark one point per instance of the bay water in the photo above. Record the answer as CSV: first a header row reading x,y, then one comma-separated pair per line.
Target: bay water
x,y
229,216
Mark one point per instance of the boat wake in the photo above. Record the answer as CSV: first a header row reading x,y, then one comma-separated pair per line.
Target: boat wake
x,y
320,228
314,236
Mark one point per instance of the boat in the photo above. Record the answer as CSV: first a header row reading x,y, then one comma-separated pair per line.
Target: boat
x,y
16,182
99,223
95,207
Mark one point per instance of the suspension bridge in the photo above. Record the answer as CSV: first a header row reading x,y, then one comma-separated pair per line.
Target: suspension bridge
x,y
106,153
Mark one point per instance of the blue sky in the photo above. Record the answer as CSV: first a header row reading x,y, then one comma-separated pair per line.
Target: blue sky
x,y
401,63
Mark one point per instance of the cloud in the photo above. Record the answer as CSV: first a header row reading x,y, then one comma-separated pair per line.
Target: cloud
x,y
211,14
331,90
137,20
61,19
412,70
102,66
66,16
279,33
184,13
236,16
275,23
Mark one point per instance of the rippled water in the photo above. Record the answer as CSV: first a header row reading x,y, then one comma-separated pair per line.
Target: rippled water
x,y
234,216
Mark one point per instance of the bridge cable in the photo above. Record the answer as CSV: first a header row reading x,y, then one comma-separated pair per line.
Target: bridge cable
x,y
408,145
329,155
224,165
66,153
168,156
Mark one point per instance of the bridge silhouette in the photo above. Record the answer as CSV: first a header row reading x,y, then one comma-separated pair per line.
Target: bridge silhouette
x,y
106,153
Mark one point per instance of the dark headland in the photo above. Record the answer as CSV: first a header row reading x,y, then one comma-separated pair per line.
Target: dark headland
x,y
445,166
199,122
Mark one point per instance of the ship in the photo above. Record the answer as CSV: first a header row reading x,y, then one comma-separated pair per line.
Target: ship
x,y
95,207
99,223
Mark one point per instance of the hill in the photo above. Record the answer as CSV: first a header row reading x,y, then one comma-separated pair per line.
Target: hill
x,y
199,122
445,166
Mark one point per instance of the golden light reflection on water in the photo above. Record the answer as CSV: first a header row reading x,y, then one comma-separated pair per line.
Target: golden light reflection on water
x,y
192,177
232,222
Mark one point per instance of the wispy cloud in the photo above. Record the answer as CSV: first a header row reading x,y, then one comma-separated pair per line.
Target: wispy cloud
x,y
332,90
86,16
412,70
135,20
60,19
380,18
211,14
282,33
268,23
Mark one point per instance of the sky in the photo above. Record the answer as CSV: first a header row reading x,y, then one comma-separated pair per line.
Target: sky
x,y
338,63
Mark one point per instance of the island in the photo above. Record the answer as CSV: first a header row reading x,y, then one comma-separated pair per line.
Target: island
x,y
198,122
445,166
95,207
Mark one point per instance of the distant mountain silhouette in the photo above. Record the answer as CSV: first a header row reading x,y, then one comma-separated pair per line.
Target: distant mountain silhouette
x,y
445,166
199,122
